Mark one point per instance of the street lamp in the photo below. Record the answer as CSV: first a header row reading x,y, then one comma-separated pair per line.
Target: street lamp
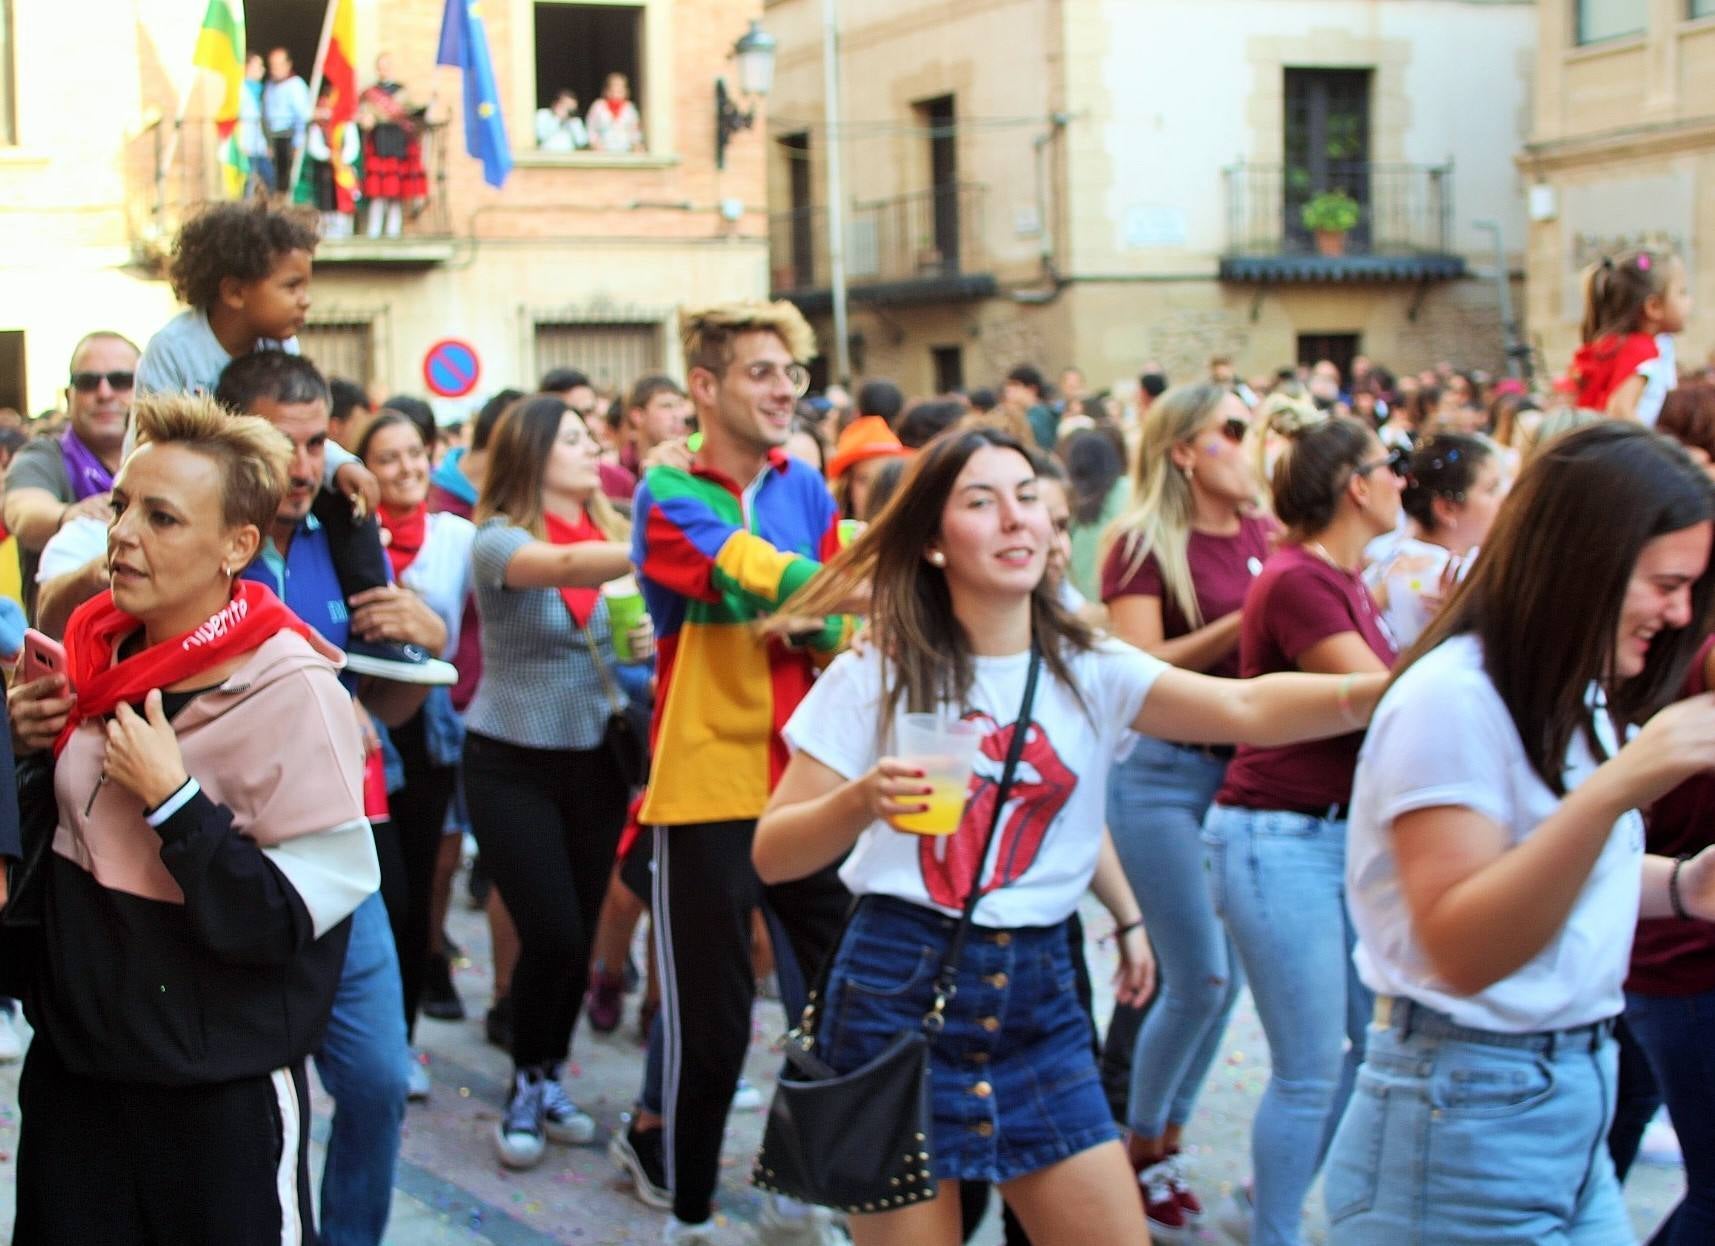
x,y
755,53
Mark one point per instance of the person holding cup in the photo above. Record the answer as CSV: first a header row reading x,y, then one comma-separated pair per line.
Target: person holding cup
x,y
964,620
546,801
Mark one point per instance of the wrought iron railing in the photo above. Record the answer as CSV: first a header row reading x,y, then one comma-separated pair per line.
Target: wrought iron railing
x,y
1403,209
172,168
924,235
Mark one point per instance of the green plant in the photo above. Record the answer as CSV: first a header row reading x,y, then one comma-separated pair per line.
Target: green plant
x,y
1331,212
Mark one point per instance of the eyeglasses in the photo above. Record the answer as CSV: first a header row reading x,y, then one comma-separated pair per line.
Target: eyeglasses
x,y
89,382
1395,462
796,376
1234,429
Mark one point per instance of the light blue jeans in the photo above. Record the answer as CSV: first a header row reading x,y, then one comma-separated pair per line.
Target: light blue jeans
x,y
362,1063
1457,1143
1280,886
1156,801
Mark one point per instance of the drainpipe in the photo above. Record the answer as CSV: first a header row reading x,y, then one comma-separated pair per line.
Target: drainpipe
x,y
1050,268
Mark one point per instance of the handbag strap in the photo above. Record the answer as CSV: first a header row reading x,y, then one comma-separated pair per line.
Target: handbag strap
x,y
615,702
946,980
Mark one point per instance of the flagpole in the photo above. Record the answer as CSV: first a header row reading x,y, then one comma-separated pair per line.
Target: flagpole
x,y
315,90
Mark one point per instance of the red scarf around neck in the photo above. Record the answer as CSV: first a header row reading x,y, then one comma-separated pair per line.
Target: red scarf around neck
x,y
614,106
406,531
580,601
96,628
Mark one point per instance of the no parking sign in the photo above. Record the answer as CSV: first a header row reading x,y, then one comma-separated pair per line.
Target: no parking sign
x,y
451,368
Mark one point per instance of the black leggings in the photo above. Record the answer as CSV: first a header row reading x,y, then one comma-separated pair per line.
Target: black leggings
x,y
408,844
548,822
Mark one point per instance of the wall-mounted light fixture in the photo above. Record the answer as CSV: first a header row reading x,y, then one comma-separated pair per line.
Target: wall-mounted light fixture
x,y
755,54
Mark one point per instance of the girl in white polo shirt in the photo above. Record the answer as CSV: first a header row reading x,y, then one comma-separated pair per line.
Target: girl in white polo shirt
x,y
1495,856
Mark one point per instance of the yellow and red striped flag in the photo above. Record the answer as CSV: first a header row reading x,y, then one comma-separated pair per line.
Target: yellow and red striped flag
x,y
220,49
339,72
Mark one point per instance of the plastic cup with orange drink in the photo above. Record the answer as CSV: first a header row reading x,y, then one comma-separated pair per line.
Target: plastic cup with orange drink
x,y
945,749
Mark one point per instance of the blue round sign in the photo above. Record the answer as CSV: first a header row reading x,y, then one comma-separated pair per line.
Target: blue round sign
x,y
451,368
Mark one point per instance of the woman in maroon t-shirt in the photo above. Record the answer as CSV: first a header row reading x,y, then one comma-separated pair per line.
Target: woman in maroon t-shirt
x,y
1670,1010
1174,576
1277,831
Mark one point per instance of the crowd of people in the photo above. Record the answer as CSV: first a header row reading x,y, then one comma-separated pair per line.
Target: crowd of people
x,y
1384,696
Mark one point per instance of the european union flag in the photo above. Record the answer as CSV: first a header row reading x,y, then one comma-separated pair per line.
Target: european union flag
x,y
464,45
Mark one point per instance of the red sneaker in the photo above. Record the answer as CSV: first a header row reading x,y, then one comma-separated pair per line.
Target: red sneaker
x,y
606,1001
1167,1220
1189,1203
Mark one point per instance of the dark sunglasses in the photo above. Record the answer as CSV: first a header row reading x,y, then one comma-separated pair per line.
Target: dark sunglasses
x,y
89,382
1396,463
1234,430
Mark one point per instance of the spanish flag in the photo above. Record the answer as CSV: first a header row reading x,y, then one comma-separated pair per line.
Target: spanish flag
x,y
220,49
339,70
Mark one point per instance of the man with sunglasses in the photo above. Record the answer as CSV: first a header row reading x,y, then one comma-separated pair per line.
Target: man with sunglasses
x,y
720,544
54,480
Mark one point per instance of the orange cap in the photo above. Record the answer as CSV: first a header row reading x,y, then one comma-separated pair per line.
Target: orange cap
x,y
867,437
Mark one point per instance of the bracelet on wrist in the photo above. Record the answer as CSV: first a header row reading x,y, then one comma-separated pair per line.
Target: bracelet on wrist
x,y
1675,901
1121,932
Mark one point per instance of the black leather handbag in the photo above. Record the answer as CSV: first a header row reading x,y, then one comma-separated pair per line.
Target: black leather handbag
x,y
625,748
863,1141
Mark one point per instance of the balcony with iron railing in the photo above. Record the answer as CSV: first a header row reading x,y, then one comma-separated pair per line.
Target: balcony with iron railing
x,y
923,247
172,167
1403,229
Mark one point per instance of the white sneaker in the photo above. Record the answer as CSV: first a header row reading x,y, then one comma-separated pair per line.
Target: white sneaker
x,y
520,1137
787,1222
563,1119
11,1046
708,1233
746,1098
416,1079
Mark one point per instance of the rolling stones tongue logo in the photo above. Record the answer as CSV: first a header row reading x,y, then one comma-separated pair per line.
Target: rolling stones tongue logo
x,y
1040,789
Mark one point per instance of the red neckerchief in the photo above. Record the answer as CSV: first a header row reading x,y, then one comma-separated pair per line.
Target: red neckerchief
x,y
614,107
95,629
406,531
580,601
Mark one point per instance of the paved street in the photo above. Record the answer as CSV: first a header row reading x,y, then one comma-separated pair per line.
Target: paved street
x,y
451,1190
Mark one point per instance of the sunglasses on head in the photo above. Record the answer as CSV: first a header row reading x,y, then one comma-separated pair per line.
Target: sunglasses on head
x,y
89,382
1396,463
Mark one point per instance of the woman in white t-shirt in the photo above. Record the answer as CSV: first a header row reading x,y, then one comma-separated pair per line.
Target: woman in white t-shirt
x,y
959,600
1454,486
1495,858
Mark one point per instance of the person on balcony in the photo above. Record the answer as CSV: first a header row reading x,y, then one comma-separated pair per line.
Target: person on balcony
x,y
558,127
392,152
614,125
285,116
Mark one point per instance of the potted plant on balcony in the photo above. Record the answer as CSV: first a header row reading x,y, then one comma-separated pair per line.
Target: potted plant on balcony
x,y
1331,215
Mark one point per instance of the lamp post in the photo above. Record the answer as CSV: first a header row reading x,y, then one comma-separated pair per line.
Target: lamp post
x,y
836,190
754,52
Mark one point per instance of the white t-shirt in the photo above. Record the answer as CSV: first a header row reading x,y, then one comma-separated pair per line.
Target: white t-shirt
x,y
1411,572
1443,736
1051,830
1660,374
441,573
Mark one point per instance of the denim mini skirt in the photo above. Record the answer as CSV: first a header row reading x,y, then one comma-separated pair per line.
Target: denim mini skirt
x,y
1013,1081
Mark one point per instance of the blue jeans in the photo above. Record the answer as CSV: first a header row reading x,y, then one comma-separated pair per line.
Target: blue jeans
x,y
1461,1143
1156,801
362,1063
1674,1032
1280,885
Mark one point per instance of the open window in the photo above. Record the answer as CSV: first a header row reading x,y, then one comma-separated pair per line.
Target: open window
x,y
579,45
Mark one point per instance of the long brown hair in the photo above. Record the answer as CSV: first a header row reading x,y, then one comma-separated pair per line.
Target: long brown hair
x,y
911,613
1547,623
517,463
1616,289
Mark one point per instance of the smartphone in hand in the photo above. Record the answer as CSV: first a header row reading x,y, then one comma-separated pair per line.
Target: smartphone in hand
x,y
43,656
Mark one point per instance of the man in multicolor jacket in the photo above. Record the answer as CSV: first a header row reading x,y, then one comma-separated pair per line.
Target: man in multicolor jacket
x,y
720,545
